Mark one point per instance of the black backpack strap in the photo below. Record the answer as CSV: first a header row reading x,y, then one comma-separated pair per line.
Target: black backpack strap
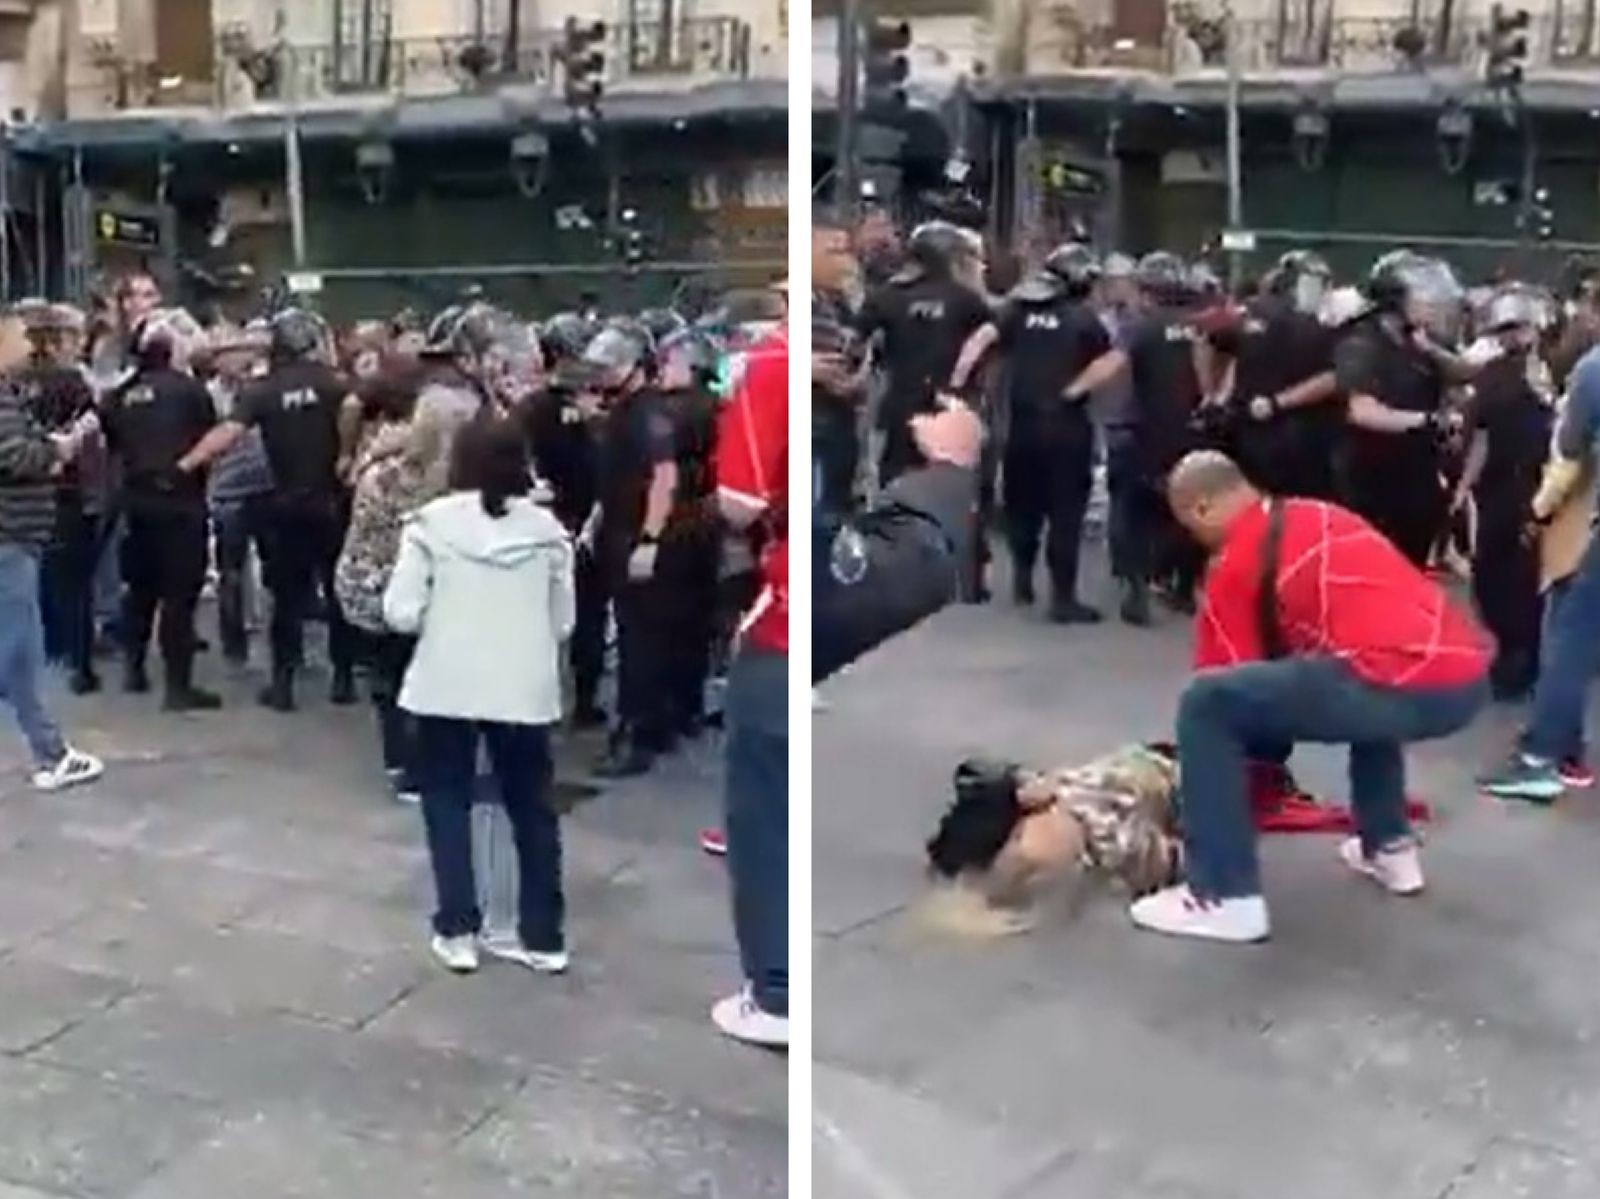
x,y
1271,629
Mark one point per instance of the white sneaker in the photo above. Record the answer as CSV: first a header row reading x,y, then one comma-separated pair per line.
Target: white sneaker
x,y
509,949
740,1017
73,770
1398,870
459,955
1177,912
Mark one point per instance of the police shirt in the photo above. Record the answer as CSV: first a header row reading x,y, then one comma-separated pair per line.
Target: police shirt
x,y
1166,389
1048,345
1400,375
637,439
1518,425
924,326
150,423
1277,347
562,445
296,407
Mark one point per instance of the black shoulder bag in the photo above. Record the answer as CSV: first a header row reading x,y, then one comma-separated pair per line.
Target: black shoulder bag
x,y
1267,622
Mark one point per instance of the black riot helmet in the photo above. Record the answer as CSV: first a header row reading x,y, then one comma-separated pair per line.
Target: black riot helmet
x,y
1422,291
937,250
1076,265
1163,277
661,323
620,350
1302,277
565,336
296,335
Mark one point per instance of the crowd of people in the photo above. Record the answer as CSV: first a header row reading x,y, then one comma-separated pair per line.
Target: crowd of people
x,y
1304,467
508,528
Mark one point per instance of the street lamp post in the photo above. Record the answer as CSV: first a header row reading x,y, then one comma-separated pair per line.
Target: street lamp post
x,y
847,165
1235,166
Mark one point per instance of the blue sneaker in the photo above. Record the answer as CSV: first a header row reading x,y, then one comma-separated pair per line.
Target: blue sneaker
x,y
1524,777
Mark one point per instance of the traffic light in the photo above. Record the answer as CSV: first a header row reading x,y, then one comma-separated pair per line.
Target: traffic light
x,y
1541,216
1507,43
584,60
888,66
635,248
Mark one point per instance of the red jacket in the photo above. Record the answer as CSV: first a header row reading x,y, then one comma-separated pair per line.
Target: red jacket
x,y
753,475
1343,591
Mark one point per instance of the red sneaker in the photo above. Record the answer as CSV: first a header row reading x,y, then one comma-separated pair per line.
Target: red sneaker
x,y
714,841
1577,774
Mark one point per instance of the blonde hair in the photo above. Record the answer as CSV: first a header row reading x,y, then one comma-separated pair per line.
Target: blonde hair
x,y
440,415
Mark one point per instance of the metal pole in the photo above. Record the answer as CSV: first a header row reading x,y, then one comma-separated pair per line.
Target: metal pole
x,y
848,163
1235,167
5,210
292,164
1530,169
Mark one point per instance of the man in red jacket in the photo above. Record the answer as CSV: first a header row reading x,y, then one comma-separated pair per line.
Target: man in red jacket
x,y
1352,645
752,488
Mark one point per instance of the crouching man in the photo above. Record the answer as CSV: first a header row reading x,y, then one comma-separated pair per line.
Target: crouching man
x,y
1314,628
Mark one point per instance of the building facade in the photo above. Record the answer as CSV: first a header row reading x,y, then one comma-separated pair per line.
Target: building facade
x,y
436,145
1366,124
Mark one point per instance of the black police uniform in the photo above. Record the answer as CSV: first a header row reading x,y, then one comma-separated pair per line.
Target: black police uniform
x,y
638,437
835,434
1393,479
296,407
690,557
57,397
1049,456
1165,398
925,322
1505,568
150,423
1274,347
565,448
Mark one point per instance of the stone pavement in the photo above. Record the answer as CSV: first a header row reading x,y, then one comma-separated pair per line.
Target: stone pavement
x,y
1439,1048
214,980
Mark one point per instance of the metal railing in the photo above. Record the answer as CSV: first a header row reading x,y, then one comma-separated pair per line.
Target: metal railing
x,y
1195,42
711,49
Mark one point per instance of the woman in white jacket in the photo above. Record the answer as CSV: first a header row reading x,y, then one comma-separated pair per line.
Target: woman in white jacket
x,y
485,582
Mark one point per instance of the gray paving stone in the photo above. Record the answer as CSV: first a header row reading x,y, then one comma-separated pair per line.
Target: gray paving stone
x,y
1518,1170
873,1141
234,968
537,1022
79,1135
575,1136
384,1089
277,1155
38,1000
28,910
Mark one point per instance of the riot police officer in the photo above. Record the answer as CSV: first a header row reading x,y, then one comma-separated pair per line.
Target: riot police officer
x,y
1159,357
296,406
1395,369
638,483
925,315
151,422
1285,427
1050,335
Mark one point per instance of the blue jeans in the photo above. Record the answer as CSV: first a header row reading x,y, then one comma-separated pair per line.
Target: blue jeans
x,y
757,797
1568,660
22,653
446,762
1223,713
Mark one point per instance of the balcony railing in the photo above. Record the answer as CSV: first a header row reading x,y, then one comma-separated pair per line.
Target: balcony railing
x,y
713,49
1195,43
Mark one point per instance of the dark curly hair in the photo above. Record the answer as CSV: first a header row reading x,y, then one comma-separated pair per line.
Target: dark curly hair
x,y
980,821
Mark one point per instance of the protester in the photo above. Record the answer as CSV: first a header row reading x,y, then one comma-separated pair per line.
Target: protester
x,y
1313,628
31,460
484,582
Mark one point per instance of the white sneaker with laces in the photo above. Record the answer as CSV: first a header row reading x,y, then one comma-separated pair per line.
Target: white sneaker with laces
x,y
740,1017
508,949
73,770
1398,869
1177,912
459,955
